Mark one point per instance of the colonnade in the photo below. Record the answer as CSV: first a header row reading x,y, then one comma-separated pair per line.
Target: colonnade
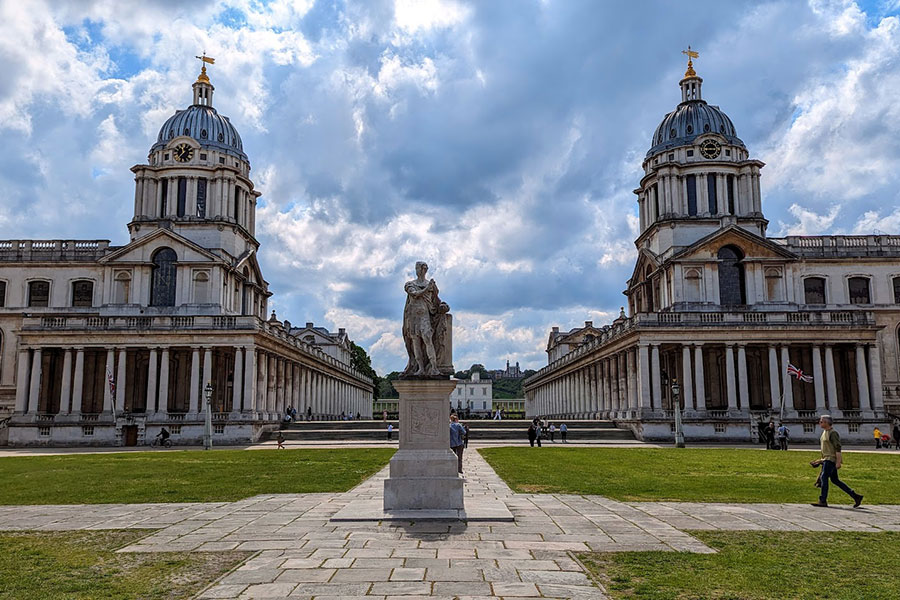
x,y
264,384
637,380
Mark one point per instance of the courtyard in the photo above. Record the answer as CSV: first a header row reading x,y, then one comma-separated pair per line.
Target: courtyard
x,y
579,536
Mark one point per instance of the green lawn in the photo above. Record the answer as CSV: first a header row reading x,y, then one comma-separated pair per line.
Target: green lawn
x,y
752,565
691,474
183,475
83,565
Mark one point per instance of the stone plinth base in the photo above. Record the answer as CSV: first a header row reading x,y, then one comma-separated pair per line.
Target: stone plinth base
x,y
423,473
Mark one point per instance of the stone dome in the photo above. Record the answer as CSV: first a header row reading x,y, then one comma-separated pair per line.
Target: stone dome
x,y
206,126
689,121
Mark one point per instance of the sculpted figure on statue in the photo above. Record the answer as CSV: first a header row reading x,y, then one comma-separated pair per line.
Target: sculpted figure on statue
x,y
426,328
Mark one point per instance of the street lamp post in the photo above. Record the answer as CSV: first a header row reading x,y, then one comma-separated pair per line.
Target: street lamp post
x,y
679,432
207,430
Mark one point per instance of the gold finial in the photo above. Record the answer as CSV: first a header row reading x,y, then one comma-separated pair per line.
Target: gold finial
x,y
691,54
207,60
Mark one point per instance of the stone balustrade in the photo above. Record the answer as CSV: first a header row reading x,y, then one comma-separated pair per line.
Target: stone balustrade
x,y
43,250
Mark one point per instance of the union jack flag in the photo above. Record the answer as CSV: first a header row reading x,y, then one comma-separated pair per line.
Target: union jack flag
x,y
112,383
799,374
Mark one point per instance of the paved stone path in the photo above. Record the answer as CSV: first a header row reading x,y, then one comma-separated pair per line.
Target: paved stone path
x,y
300,554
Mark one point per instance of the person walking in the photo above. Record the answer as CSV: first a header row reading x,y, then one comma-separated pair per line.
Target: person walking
x,y
770,436
457,441
876,433
497,416
309,413
563,430
831,462
466,439
782,434
384,416
532,433
390,431
280,441
896,435
552,432
538,431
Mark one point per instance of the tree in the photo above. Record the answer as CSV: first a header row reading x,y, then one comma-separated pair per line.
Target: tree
x,y
360,361
385,389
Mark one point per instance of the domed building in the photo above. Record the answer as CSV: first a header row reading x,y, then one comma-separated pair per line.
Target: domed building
x,y
106,345
735,327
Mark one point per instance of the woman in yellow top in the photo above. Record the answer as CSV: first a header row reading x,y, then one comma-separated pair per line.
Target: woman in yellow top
x,y
877,434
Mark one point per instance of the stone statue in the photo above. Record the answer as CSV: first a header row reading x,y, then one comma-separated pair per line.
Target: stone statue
x,y
426,329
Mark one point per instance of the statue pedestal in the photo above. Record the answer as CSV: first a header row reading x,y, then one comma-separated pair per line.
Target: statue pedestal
x,y
423,473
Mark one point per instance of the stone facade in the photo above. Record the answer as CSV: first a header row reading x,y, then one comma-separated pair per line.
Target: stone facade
x,y
473,394
104,345
721,309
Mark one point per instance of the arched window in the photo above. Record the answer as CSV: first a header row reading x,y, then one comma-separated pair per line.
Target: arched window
x,y
82,293
814,290
859,290
201,287
38,293
731,277
162,283
648,286
773,285
121,287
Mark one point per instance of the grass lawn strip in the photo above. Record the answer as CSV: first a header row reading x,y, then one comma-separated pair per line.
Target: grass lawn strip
x,y
690,474
754,565
84,565
183,475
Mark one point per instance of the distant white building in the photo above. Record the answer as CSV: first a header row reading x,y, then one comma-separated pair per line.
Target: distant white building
x,y
473,394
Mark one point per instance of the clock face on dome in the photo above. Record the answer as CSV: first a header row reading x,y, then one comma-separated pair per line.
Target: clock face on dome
x,y
710,149
183,152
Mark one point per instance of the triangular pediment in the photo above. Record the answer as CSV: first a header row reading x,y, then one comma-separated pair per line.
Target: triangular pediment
x,y
249,261
752,246
646,258
142,249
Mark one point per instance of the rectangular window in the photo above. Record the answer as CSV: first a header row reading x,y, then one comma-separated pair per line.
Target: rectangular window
x,y
221,160
3,293
730,186
859,290
484,404
87,430
484,391
853,427
814,290
43,431
471,391
219,428
896,291
712,195
656,200
690,153
202,156
39,293
719,427
201,197
182,196
808,428
175,429
692,194
164,205
83,293
237,208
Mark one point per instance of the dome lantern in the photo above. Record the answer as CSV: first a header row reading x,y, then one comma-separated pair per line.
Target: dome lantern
x,y
203,89
690,85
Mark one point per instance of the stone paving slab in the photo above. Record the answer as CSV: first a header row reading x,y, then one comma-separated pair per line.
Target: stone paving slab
x,y
300,552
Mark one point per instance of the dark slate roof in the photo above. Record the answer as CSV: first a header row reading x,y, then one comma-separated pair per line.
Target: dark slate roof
x,y
204,124
689,121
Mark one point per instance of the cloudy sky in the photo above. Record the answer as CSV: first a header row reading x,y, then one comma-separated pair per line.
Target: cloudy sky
x,y
498,140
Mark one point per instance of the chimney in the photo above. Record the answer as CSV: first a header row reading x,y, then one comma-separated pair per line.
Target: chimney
x,y
309,325
341,331
588,323
556,330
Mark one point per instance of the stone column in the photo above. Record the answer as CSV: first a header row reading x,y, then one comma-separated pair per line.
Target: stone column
x,y
207,379
743,389
830,382
862,379
110,369
687,383
162,407
774,380
237,384
151,382
279,386
195,382
23,381
262,384
623,381
631,371
295,387
65,396
249,405
729,378
786,385
644,370
78,385
876,389
818,381
655,377
272,373
121,381
699,378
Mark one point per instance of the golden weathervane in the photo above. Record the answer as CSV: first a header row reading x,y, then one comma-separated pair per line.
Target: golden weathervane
x,y
206,60
691,54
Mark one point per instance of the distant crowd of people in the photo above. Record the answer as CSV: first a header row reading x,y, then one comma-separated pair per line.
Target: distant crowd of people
x,y
541,429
